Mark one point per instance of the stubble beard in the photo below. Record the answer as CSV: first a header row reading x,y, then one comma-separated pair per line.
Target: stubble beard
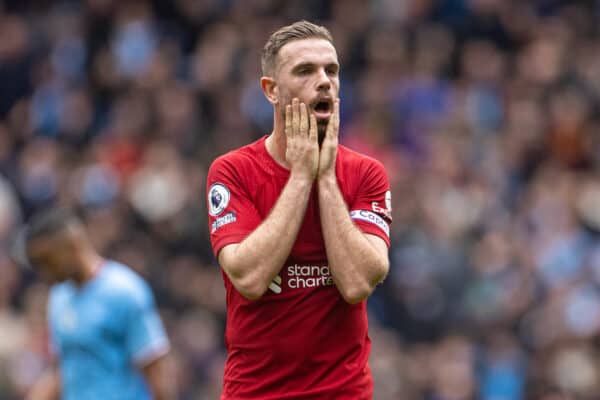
x,y
321,130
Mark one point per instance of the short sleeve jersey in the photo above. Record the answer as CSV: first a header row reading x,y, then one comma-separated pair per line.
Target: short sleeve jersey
x,y
300,340
103,332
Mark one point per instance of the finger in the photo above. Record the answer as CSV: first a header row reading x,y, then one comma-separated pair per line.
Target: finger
x,y
313,133
303,120
334,123
295,117
288,121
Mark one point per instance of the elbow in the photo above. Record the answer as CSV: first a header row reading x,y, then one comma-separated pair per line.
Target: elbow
x,y
356,294
361,291
381,271
250,287
251,294
245,279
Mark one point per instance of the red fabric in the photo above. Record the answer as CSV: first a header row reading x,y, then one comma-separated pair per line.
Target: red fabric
x,y
304,342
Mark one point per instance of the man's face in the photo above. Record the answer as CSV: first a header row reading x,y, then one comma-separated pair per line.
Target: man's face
x,y
309,70
53,258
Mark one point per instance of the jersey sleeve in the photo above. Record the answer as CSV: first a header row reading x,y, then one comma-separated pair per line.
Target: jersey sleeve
x,y
146,339
231,213
371,209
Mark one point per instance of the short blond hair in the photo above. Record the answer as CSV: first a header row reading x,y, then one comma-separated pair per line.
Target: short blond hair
x,y
296,31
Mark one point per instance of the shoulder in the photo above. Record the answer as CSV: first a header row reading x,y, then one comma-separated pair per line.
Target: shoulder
x,y
238,158
58,292
351,159
124,284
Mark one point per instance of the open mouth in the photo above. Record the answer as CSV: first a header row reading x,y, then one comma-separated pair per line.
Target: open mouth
x,y
322,108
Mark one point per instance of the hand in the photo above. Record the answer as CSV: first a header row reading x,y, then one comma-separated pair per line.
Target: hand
x,y
329,146
302,146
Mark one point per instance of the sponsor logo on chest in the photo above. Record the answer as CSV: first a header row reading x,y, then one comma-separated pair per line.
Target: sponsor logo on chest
x,y
302,277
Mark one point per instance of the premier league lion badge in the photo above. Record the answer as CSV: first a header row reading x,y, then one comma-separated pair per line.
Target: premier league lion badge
x,y
218,199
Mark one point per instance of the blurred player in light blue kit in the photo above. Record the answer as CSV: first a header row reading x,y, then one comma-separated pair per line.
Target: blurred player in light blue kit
x,y
105,332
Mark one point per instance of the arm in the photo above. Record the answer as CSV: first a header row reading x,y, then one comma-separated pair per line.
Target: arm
x,y
252,264
146,340
160,377
47,387
357,261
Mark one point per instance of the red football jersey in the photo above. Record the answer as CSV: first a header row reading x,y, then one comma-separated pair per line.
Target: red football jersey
x,y
300,340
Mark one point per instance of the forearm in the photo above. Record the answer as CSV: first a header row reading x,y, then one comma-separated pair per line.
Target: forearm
x,y
355,264
47,387
256,261
164,389
164,392
159,375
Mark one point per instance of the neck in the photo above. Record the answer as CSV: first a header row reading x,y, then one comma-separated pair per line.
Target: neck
x,y
91,263
276,142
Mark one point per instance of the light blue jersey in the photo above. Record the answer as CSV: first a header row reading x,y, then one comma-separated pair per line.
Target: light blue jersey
x,y
102,332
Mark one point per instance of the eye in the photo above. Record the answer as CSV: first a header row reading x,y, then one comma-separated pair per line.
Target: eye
x,y
333,71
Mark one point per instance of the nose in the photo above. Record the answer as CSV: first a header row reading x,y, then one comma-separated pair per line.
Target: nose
x,y
323,81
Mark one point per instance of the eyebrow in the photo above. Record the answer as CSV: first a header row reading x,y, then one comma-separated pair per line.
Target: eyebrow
x,y
307,64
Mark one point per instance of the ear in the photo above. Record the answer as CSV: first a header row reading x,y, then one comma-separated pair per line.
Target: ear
x,y
270,89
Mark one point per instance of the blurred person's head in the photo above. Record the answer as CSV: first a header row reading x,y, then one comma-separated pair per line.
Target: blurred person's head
x,y
453,368
542,61
482,62
300,61
427,63
58,248
574,370
14,29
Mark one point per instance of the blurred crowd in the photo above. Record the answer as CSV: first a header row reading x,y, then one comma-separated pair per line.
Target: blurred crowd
x,y
485,113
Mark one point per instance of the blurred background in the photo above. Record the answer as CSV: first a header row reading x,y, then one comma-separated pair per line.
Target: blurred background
x,y
485,113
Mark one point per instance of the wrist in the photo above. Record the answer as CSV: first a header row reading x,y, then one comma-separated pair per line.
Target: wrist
x,y
301,178
327,178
